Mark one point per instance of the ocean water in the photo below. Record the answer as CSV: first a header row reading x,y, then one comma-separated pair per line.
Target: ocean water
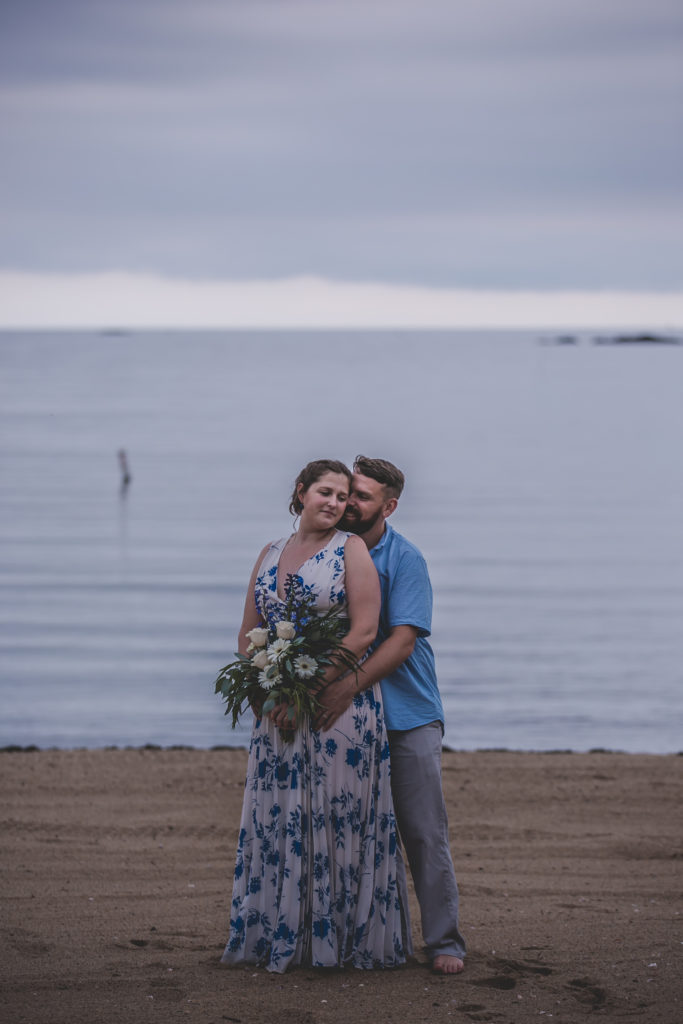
x,y
543,486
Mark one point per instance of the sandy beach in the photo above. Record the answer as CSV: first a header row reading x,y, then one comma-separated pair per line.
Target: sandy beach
x,y
117,868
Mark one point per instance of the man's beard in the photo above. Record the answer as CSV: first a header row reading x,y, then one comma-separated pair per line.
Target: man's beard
x,y
357,525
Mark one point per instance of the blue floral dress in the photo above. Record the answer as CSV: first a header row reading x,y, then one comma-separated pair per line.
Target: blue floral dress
x,y
318,871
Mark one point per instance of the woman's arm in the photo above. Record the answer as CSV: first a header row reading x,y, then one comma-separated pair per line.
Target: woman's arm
x,y
250,618
363,601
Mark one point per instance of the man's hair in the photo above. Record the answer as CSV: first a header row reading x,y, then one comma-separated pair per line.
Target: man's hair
x,y
383,472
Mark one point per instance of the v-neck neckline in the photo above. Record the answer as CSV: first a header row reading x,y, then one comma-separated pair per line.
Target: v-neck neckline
x,y
298,570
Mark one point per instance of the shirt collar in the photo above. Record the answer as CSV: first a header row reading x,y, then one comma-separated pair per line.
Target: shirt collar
x,y
383,539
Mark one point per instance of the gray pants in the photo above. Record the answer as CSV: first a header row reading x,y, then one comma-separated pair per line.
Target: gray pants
x,y
423,825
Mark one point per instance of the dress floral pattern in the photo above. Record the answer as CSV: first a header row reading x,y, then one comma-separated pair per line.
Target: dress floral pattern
x,y
317,875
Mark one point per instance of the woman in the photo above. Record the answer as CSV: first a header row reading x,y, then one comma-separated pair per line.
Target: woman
x,y
318,873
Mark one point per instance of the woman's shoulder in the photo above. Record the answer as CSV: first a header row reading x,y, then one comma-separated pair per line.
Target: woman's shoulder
x,y
351,544
341,539
277,545
272,548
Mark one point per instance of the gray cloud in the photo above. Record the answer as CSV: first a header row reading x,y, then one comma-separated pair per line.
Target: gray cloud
x,y
520,144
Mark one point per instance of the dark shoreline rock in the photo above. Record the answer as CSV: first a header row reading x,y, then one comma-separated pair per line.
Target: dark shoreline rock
x,y
638,339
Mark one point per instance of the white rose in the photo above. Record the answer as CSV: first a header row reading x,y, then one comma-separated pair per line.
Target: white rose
x,y
285,630
260,659
258,636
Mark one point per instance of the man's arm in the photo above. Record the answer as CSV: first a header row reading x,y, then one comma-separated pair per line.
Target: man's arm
x,y
391,653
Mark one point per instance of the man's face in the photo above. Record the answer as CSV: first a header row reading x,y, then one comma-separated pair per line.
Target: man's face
x,y
365,506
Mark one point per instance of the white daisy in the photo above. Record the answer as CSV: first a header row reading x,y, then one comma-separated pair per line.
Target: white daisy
x,y
277,648
305,666
267,682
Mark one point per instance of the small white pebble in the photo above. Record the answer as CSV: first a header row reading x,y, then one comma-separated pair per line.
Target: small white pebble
x,y
652,965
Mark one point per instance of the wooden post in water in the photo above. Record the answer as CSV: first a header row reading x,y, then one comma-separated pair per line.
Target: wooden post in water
x,y
125,472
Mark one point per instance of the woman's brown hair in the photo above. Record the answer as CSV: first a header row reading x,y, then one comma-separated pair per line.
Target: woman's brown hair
x,y
310,474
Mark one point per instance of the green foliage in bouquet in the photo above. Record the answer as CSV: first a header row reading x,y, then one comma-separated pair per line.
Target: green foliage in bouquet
x,y
286,659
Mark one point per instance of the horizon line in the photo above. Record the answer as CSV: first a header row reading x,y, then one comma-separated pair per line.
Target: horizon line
x,y
124,300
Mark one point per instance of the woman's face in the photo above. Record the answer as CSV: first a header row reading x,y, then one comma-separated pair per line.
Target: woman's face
x,y
324,501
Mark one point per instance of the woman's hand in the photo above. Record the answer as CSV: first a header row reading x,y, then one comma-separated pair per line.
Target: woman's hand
x,y
284,716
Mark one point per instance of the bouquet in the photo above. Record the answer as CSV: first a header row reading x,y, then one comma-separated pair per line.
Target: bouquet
x,y
286,659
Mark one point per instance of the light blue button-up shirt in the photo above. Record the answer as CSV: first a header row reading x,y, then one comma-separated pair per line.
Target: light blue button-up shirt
x,y
410,695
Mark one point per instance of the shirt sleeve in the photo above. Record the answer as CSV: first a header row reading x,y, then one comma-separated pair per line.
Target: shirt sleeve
x,y
410,594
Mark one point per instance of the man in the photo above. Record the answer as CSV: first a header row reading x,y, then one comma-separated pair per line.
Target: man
x,y
403,661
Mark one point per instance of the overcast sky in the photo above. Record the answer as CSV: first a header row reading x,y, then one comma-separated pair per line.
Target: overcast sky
x,y
512,144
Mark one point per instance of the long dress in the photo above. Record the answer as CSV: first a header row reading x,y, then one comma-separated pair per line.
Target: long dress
x,y
319,878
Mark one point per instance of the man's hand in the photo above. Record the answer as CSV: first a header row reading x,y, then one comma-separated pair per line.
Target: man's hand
x,y
334,700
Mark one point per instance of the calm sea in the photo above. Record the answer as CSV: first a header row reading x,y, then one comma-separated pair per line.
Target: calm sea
x,y
544,488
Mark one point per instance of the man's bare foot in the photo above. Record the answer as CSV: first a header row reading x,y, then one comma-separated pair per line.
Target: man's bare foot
x,y
446,964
